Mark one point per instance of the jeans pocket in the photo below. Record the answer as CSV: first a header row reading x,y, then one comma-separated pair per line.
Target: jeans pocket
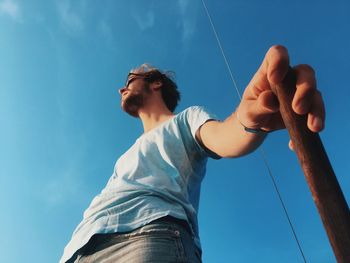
x,y
158,244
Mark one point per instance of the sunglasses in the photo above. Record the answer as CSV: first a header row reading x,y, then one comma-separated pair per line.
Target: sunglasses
x,y
149,76
132,76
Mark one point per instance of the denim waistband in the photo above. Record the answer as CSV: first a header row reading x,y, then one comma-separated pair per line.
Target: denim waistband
x,y
175,229
173,220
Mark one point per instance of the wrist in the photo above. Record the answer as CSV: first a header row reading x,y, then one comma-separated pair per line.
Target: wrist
x,y
254,130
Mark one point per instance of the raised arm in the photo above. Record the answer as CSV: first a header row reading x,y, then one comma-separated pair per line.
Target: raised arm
x,y
258,108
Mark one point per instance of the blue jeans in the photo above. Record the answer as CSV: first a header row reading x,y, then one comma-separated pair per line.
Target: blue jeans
x,y
157,242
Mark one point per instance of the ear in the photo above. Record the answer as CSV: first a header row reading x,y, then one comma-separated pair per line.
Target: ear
x,y
156,85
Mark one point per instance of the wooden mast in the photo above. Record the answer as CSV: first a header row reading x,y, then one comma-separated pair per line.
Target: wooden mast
x,y
318,172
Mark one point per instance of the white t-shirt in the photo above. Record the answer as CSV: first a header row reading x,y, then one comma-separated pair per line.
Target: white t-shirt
x,y
159,175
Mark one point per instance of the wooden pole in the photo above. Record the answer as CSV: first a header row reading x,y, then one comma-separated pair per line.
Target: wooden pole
x,y
318,172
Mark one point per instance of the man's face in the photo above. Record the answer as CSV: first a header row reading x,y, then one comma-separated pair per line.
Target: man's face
x,y
134,94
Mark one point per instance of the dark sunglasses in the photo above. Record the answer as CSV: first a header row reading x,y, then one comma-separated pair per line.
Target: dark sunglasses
x,y
132,76
146,76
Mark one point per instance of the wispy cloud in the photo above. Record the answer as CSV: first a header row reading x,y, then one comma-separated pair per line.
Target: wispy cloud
x,y
11,9
188,19
144,20
183,5
70,16
105,30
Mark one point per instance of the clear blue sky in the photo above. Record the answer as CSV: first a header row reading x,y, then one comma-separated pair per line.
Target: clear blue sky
x,y
61,63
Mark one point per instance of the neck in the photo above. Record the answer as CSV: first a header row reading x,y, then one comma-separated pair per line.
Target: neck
x,y
153,114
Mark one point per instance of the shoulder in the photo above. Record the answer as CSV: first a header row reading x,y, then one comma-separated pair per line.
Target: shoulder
x,y
195,116
192,110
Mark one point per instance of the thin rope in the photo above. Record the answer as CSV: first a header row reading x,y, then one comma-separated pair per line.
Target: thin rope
x,y
262,151
282,202
222,52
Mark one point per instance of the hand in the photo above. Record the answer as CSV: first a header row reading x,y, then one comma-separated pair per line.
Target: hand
x,y
259,107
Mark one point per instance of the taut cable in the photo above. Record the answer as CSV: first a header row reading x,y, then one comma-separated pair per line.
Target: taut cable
x,y
262,151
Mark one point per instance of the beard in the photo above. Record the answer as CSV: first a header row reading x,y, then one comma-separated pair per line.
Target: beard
x,y
135,100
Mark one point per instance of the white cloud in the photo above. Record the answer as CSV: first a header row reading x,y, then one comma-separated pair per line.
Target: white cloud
x,y
183,5
106,32
11,9
70,18
188,19
144,20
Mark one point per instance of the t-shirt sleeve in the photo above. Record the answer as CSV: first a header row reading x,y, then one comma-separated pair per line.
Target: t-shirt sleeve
x,y
196,117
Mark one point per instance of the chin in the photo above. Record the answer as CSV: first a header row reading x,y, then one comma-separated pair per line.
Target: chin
x,y
132,105
133,111
134,114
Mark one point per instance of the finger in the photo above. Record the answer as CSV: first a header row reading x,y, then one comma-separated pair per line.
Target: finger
x,y
305,89
291,145
317,114
253,112
275,64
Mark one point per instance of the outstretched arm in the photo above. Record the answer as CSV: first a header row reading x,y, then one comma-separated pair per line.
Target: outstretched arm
x,y
259,107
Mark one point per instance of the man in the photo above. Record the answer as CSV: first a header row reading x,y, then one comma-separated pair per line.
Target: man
x,y
148,210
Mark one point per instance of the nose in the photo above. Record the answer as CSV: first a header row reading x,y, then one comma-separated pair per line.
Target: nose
x,y
121,91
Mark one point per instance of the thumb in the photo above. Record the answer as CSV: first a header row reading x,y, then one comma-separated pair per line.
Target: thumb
x,y
253,113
